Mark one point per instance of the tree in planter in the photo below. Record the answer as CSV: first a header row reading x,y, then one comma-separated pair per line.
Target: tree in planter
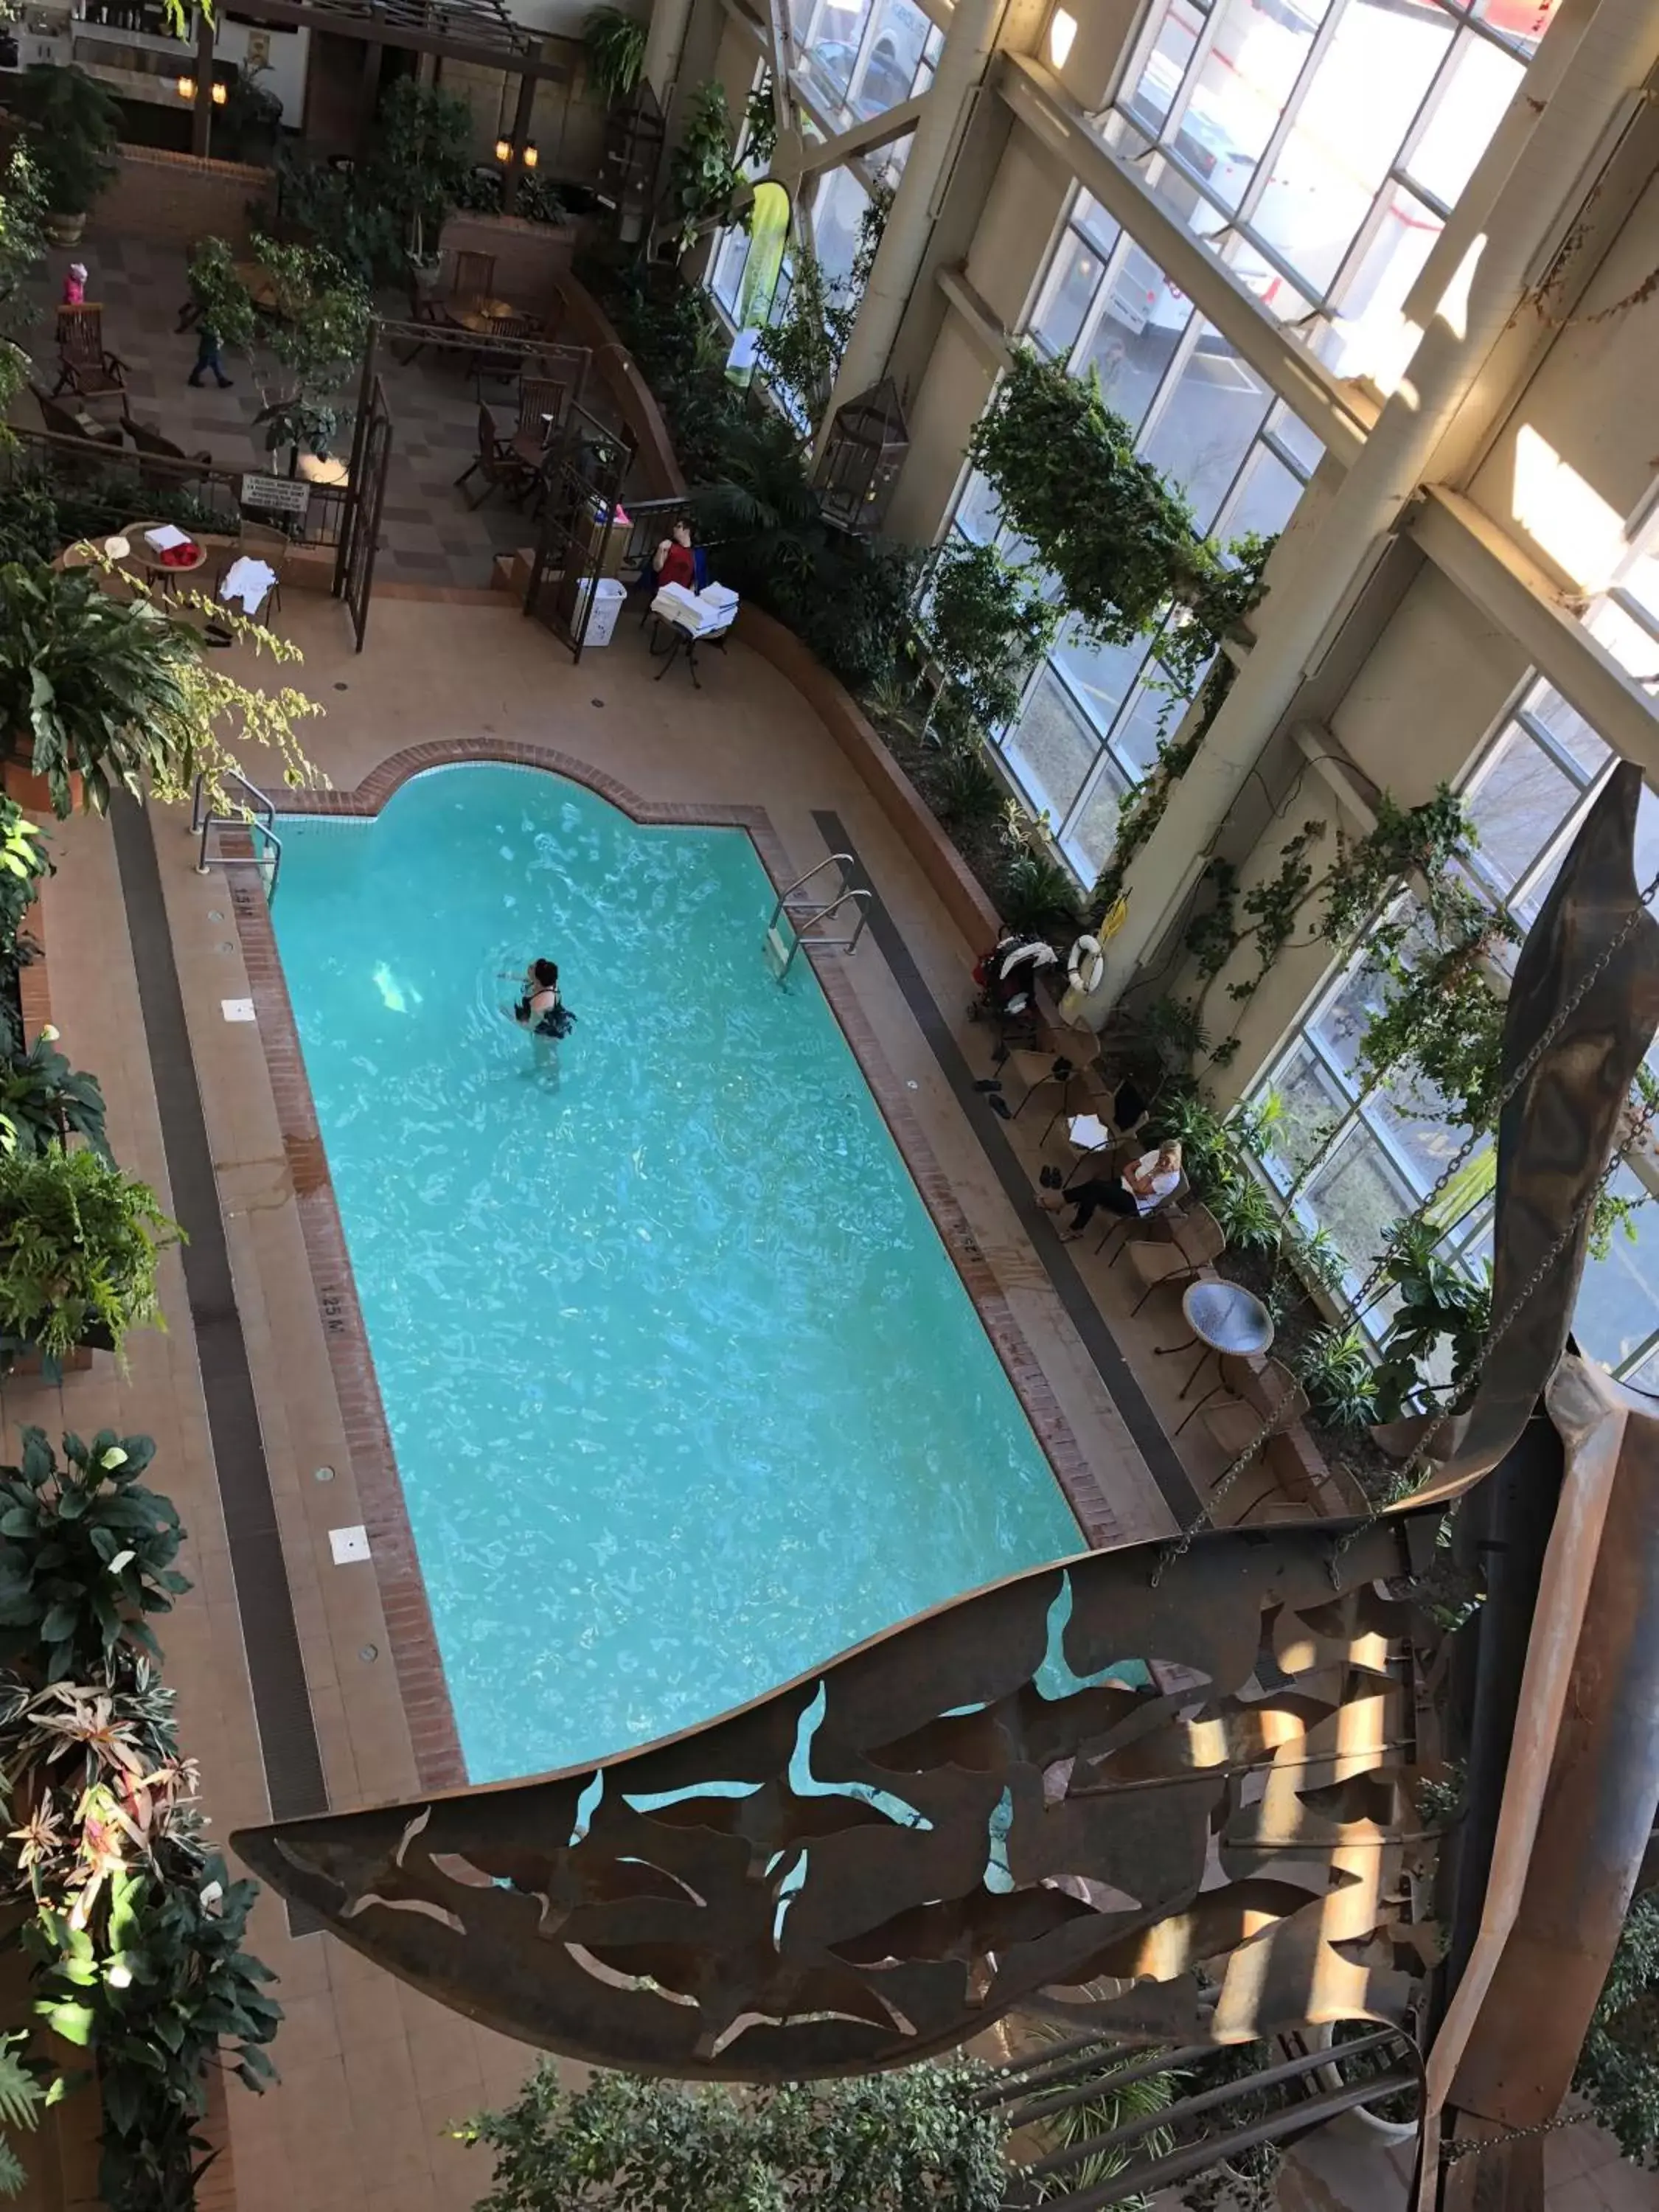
x,y
115,691
884,2143
86,1554
78,1246
1438,1300
71,123
613,45
422,153
701,173
314,336
984,625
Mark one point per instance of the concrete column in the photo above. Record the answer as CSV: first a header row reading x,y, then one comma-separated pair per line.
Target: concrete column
x,y
201,121
1613,57
663,41
520,140
962,65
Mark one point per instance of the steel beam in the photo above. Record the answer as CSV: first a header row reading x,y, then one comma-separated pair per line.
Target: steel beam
x,y
1500,578
1339,414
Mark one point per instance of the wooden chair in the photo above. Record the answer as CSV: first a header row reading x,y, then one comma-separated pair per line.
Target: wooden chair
x,y
258,541
501,366
497,463
475,276
62,423
161,464
425,310
1252,1398
539,395
83,363
1193,1241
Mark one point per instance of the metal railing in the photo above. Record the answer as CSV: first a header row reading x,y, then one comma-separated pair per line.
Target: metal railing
x,y
98,486
804,914
258,820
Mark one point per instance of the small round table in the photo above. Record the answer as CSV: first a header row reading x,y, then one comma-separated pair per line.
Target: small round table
x,y
144,557
475,315
1223,1316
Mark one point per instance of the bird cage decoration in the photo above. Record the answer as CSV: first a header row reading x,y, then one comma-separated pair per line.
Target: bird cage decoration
x,y
868,441
633,136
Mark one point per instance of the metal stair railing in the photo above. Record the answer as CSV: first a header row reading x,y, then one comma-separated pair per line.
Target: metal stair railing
x,y
805,913
258,817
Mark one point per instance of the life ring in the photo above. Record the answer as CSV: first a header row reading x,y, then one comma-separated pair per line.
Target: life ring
x,y
1086,965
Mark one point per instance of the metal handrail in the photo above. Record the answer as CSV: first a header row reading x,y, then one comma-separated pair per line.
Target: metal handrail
x,y
803,917
261,815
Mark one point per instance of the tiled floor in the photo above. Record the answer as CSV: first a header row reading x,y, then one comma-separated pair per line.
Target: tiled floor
x,y
371,2073
427,533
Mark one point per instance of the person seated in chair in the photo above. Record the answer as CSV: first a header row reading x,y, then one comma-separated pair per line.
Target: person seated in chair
x,y
676,561
1140,1188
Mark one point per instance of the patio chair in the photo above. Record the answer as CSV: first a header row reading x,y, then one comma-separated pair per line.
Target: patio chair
x,y
1192,1244
1253,1398
1155,1218
161,464
539,396
475,276
423,309
257,541
83,363
63,422
505,365
497,463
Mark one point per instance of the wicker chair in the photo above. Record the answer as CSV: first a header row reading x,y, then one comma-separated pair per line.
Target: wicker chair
x,y
1193,1241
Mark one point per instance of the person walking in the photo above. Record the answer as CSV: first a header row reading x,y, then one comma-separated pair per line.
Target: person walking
x,y
207,358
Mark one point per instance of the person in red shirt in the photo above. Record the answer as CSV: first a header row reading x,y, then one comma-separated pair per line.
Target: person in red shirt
x,y
676,562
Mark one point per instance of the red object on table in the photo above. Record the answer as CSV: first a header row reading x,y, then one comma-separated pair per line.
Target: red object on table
x,y
180,556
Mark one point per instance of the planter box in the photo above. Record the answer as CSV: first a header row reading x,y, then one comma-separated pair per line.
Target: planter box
x,y
31,792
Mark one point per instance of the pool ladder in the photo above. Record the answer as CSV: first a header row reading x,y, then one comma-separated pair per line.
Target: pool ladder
x,y
803,912
256,819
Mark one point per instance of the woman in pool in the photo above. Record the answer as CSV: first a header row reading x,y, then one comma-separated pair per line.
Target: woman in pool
x,y
1144,1185
540,1009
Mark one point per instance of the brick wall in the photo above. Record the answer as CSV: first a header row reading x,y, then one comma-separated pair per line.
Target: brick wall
x,y
174,199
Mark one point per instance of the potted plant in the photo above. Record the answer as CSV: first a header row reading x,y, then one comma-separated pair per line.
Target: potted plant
x,y
315,339
78,1246
613,45
43,1102
96,691
71,123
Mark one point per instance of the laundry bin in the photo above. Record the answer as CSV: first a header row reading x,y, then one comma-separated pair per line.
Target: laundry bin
x,y
608,597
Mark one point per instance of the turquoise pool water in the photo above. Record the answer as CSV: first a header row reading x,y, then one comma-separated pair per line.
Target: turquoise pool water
x,y
685,1392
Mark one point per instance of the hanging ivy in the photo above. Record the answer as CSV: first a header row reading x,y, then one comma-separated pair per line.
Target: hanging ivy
x,y
1142,810
760,127
985,625
701,175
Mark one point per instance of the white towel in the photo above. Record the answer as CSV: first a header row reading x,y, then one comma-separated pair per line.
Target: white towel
x,y
248,581
165,537
721,599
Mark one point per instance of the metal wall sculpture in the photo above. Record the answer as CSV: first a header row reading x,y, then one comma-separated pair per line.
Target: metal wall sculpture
x,y
1153,1793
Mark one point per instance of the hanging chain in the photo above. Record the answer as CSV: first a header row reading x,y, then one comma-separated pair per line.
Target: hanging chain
x,y
1453,2147
1407,1481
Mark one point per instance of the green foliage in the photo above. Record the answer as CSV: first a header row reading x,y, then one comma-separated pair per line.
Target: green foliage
x,y
421,151
984,624
614,45
22,247
1247,1214
760,127
1438,1300
70,125
701,173
1037,894
1442,1014
541,199
43,1102
49,500
85,1552
1618,2072
1207,1151
1066,475
1440,1798
1613,1211
800,353
23,861
115,691
1421,843
314,337
1143,809
964,790
329,210
78,1244
245,128
884,2143
1336,1369
21,2100
1110,2105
